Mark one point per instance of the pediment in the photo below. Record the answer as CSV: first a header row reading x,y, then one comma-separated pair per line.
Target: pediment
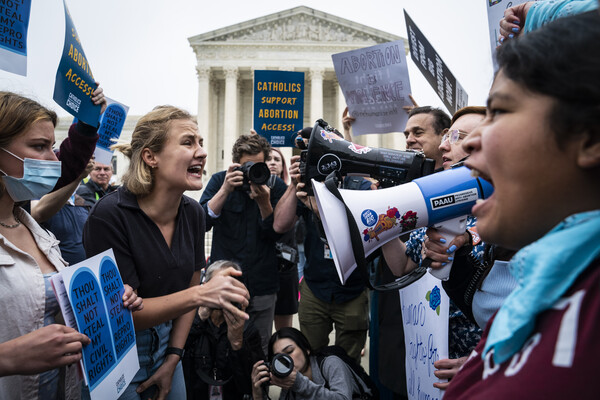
x,y
297,25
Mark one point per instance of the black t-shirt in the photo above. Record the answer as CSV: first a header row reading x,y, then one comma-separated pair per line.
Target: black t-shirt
x,y
144,259
240,234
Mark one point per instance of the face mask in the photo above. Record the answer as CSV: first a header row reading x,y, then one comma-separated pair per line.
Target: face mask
x,y
39,178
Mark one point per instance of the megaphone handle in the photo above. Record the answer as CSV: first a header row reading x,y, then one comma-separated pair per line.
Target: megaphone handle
x,y
449,229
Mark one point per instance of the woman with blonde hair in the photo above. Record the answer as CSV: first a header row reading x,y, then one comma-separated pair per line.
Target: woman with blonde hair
x,y
157,235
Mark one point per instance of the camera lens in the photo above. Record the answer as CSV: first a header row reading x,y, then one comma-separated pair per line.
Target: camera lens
x,y
282,365
259,173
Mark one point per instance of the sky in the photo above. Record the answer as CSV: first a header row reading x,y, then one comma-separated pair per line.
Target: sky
x,y
139,51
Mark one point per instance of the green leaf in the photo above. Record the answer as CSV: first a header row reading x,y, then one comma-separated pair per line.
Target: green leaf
x,y
437,310
427,295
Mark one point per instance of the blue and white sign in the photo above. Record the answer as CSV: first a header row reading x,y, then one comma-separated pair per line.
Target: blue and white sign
x,y
111,125
278,105
14,23
95,308
75,82
425,307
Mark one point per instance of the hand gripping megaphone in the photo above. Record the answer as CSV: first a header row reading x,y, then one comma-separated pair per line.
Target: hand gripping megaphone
x,y
327,152
357,222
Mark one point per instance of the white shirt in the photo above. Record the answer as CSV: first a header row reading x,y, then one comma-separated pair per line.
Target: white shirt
x,y
23,301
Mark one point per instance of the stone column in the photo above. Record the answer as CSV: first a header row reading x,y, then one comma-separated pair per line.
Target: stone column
x,y
230,124
316,93
341,106
210,137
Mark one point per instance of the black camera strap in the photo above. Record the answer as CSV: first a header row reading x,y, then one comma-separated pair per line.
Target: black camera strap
x,y
331,183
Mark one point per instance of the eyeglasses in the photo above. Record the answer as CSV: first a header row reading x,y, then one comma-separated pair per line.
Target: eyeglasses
x,y
454,136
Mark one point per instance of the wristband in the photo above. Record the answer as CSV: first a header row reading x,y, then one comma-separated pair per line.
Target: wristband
x,y
174,350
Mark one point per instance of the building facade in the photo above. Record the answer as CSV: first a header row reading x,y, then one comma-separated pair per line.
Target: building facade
x,y
299,39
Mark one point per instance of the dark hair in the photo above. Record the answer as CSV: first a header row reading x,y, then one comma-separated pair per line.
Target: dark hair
x,y
293,334
251,145
561,60
441,120
467,110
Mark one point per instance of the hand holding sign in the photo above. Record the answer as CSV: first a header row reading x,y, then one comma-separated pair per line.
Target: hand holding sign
x,y
47,348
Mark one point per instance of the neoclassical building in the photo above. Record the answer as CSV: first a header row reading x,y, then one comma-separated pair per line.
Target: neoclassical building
x,y
299,39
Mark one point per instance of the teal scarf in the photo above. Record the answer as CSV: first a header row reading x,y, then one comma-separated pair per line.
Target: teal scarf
x,y
544,271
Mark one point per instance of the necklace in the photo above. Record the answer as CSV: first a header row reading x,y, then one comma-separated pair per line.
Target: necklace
x,y
16,224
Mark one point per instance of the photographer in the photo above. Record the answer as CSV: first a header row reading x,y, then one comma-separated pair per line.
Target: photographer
x,y
309,379
220,350
242,222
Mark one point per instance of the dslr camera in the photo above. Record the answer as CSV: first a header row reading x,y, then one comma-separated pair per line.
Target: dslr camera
x,y
257,173
281,365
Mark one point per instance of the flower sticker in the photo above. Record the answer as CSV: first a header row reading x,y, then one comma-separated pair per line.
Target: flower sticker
x,y
409,221
385,222
434,297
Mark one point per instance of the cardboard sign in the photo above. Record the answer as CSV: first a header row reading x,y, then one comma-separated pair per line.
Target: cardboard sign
x,y
375,84
433,68
278,105
425,307
111,125
14,22
75,82
94,290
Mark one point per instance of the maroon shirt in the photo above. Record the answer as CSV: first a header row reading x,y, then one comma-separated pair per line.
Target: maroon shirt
x,y
558,360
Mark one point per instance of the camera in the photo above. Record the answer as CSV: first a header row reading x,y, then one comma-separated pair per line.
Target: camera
x,y
257,173
281,365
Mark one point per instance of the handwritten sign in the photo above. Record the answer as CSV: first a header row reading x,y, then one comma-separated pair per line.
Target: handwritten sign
x,y
95,306
111,125
278,105
75,82
375,84
14,23
433,68
495,12
424,307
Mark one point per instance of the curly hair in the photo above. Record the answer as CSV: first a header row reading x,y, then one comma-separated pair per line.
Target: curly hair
x,y
250,145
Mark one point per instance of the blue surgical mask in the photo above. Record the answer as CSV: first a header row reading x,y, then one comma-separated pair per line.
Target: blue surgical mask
x,y
39,178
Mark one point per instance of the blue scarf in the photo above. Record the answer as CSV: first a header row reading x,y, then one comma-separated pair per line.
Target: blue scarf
x,y
544,271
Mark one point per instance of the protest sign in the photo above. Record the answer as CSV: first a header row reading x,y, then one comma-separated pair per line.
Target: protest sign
x,y
74,80
375,84
111,125
278,105
14,22
433,68
425,308
95,308
495,12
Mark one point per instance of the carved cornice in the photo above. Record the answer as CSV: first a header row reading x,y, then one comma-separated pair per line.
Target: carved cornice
x,y
296,25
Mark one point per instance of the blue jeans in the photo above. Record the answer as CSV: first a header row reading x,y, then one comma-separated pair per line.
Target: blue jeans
x,y
151,346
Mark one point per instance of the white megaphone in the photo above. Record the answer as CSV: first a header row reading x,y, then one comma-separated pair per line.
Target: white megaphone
x,y
360,221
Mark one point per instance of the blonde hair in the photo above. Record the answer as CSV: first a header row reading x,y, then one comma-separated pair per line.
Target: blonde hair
x,y
151,132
